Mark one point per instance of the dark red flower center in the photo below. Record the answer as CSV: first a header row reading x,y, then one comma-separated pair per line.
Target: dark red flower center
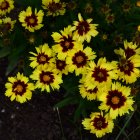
x,y
60,64
126,66
80,59
99,122
66,43
4,5
92,91
100,74
31,20
54,7
19,87
83,27
115,99
129,52
46,77
42,58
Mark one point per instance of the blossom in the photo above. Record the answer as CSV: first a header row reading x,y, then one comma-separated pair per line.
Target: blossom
x,y
84,29
79,59
6,6
100,74
31,20
19,88
7,23
64,43
128,69
54,7
90,94
61,66
98,124
130,49
116,100
46,78
43,56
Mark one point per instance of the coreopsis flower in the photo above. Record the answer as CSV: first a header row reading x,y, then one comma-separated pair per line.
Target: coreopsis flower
x,y
130,49
90,94
43,56
64,43
128,69
61,66
110,18
98,124
79,59
138,3
6,6
100,74
19,88
126,6
7,24
116,100
54,7
138,28
84,29
47,78
105,9
88,8
31,20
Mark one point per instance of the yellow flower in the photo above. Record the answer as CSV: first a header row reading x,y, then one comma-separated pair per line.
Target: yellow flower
x,y
61,66
138,3
64,43
54,7
47,78
100,75
130,49
79,59
8,24
6,6
110,18
43,56
19,88
116,100
84,29
31,21
138,28
98,124
128,69
90,94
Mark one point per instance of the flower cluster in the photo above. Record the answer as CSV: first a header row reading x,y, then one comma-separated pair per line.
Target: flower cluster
x,y
108,82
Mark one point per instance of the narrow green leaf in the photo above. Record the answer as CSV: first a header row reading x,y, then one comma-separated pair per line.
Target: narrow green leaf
x,y
122,130
4,52
65,102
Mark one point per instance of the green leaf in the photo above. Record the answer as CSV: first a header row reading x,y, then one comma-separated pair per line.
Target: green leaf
x,y
79,111
4,52
67,101
14,57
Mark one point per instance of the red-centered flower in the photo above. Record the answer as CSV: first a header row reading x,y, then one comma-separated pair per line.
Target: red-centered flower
x,y
100,74
116,100
19,88
128,69
98,124
84,29
6,6
64,43
79,59
31,20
